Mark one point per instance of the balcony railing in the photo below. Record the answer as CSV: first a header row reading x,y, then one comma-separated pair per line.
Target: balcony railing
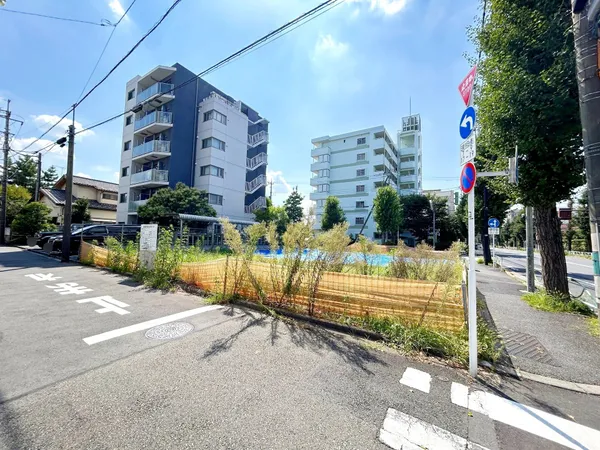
x,y
214,95
150,147
150,175
258,160
156,88
258,182
258,138
134,205
260,202
154,117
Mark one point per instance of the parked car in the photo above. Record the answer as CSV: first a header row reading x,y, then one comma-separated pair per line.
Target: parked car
x,y
95,233
44,236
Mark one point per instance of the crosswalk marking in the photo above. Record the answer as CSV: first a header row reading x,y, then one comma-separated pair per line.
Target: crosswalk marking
x,y
416,379
532,420
401,431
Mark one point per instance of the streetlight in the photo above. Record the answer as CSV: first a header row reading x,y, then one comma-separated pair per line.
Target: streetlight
x,y
434,233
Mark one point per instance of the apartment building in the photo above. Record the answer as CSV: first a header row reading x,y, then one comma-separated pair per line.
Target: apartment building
x,y
411,151
449,195
351,167
194,134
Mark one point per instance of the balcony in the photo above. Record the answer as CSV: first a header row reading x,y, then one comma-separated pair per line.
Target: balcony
x,y
258,138
315,181
408,178
318,151
150,178
154,123
408,164
258,182
256,161
408,151
134,205
157,94
315,166
151,151
236,105
315,195
260,202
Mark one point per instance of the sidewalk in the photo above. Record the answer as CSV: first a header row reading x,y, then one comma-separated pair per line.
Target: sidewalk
x,y
555,345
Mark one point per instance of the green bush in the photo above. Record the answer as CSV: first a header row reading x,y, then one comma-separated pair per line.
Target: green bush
x,y
167,261
545,301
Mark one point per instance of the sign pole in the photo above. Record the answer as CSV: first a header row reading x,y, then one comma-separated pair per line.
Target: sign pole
x,y
472,289
493,250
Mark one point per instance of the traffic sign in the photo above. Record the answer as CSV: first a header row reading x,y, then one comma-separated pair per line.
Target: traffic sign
x,y
468,176
467,122
492,231
466,86
494,223
468,149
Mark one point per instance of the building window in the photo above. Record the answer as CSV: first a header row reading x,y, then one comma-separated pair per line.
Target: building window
x,y
324,158
215,115
213,142
323,188
360,204
361,141
361,156
360,188
125,171
359,221
323,173
123,198
109,196
130,94
212,170
407,158
360,172
129,120
215,199
407,172
320,203
126,146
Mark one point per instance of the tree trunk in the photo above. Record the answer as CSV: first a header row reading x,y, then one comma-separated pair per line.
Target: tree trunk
x,y
554,263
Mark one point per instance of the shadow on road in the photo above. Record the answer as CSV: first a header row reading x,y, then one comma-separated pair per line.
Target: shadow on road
x,y
12,435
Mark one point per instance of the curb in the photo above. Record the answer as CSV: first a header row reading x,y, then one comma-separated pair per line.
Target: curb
x,y
590,389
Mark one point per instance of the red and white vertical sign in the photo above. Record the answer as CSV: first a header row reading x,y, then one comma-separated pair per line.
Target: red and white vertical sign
x,y
466,87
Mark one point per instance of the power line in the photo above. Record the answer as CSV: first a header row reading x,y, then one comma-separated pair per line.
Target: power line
x,y
300,20
104,49
49,129
102,23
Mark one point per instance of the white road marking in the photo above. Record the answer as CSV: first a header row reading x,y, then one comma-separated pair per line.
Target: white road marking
x,y
108,304
69,288
43,276
416,379
403,432
532,420
148,324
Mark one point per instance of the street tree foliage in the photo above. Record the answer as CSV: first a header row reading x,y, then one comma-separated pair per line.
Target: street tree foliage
x,y
165,205
528,97
33,218
417,215
264,214
49,177
273,214
333,213
387,212
447,224
293,206
580,222
513,233
23,172
80,212
16,199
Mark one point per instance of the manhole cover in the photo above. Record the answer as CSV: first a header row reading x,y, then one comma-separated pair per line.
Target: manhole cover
x,y
169,330
525,346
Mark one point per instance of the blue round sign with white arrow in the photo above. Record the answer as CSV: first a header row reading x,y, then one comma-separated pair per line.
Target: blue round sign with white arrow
x,y
494,223
467,122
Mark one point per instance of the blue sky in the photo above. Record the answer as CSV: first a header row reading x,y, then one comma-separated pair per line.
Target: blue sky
x,y
353,67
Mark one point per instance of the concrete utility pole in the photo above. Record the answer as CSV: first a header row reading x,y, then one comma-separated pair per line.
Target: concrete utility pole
x,y
5,173
585,31
66,243
38,182
529,238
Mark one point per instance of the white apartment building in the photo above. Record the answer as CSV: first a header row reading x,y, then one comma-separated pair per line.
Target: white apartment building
x,y
194,134
449,195
410,147
351,167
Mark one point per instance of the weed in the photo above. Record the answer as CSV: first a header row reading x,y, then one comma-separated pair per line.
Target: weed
x,y
422,263
480,260
545,301
594,326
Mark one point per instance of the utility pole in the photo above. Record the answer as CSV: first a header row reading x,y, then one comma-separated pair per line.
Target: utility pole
x,y
529,238
66,243
5,173
38,183
585,31
271,190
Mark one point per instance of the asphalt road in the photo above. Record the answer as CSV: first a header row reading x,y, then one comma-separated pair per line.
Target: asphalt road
x,y
78,372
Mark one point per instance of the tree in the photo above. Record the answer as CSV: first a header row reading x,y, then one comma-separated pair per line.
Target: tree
x,y
417,215
49,177
280,218
447,225
16,198
387,212
80,212
23,172
165,205
529,97
293,206
332,213
581,221
33,218
265,214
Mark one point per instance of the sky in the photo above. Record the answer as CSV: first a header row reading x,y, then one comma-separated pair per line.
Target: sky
x,y
356,66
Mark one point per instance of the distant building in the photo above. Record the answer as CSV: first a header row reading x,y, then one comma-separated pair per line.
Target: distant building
x,y
448,195
410,147
196,135
102,198
351,166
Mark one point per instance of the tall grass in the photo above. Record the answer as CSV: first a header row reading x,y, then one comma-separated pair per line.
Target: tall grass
x,y
545,301
422,263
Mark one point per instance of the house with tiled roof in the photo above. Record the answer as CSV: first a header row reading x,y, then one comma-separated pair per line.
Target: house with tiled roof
x,y
101,195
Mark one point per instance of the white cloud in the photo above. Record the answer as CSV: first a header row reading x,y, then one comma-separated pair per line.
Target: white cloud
x,y
45,121
328,48
355,14
116,177
116,8
334,66
280,185
81,174
101,168
387,7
